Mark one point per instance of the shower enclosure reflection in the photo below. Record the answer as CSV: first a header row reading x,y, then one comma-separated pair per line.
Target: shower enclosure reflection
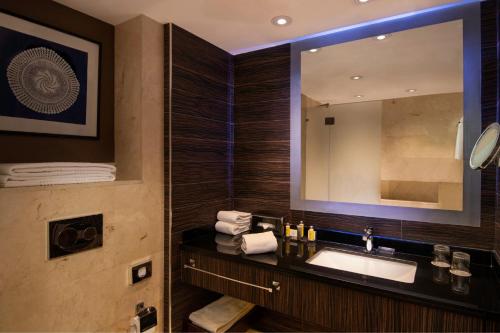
x,y
382,120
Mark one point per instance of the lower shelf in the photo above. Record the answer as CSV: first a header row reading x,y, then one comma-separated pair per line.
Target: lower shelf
x,y
264,320
242,325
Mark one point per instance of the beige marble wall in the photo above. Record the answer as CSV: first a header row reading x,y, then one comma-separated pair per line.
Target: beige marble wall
x,y
419,136
418,146
88,291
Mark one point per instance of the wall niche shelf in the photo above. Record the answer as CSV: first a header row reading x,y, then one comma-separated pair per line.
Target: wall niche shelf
x,y
69,186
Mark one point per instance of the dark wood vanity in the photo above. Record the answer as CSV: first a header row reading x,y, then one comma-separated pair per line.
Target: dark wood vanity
x,y
341,301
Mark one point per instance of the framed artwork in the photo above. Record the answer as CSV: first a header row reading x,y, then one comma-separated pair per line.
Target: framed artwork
x,y
49,80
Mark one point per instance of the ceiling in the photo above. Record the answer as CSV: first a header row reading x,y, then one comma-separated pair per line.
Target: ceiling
x,y
239,26
428,59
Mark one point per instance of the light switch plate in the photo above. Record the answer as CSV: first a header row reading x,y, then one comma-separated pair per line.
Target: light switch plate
x,y
140,270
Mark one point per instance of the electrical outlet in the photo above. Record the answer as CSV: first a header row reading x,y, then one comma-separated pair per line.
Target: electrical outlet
x,y
140,270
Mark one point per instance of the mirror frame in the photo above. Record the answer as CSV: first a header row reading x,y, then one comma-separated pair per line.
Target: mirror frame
x,y
471,15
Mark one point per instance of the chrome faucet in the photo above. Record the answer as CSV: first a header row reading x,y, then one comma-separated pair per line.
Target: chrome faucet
x,y
368,238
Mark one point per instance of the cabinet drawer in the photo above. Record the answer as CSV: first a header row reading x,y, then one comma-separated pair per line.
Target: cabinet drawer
x,y
247,282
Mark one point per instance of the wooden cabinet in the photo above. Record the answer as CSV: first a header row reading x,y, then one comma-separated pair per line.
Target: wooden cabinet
x,y
334,307
258,289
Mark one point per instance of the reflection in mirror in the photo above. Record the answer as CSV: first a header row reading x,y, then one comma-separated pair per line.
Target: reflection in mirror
x,y
382,120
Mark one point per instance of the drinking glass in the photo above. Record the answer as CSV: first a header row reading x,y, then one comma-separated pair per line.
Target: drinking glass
x,y
460,284
460,264
440,275
441,255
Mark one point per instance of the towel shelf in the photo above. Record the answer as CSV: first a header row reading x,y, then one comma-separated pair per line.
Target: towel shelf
x,y
192,266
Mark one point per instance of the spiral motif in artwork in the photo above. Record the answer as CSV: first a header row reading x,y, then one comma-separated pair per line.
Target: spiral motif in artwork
x,y
46,82
43,81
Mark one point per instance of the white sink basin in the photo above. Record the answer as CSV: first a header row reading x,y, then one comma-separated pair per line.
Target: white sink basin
x,y
391,269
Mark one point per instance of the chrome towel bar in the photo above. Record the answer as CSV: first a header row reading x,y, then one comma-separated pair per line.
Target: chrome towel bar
x,y
276,285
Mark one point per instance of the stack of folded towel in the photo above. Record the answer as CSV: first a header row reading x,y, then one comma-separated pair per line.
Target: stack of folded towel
x,y
35,174
233,222
262,242
219,316
228,244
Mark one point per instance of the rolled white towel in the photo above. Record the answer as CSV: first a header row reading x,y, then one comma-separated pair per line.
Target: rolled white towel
x,y
259,243
231,228
234,216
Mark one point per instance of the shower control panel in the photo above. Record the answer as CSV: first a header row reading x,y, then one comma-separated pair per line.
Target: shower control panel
x,y
74,235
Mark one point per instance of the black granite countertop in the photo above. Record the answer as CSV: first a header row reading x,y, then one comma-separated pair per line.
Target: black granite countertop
x,y
432,285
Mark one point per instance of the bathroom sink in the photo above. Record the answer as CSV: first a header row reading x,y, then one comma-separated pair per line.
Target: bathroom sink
x,y
366,264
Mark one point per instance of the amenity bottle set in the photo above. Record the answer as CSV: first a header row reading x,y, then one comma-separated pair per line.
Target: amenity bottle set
x,y
299,233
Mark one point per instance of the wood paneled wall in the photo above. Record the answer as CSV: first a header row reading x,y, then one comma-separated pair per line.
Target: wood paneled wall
x,y
262,130
262,148
166,178
493,64
201,161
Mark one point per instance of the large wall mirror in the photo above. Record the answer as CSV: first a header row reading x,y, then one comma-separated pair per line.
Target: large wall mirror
x,y
384,117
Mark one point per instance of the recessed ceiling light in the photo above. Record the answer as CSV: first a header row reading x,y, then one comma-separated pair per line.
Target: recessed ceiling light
x,y
314,50
411,90
359,96
356,77
382,37
361,2
281,20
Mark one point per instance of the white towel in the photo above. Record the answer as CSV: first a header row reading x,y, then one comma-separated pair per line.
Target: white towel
x,y
240,221
16,181
55,167
219,316
259,243
265,225
459,144
234,216
54,173
34,175
231,228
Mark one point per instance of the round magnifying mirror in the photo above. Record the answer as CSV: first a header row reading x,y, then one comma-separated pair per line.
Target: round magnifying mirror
x,y
486,148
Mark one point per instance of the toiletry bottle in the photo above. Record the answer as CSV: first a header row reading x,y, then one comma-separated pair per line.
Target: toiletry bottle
x,y
300,250
311,234
311,249
287,230
287,247
300,231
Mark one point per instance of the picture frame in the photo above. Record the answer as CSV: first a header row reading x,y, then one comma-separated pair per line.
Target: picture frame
x,y
49,80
